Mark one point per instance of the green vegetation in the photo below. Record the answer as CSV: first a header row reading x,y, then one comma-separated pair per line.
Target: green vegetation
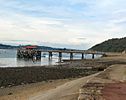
x,y
111,45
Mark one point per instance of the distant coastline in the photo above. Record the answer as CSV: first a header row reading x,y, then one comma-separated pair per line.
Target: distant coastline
x,y
6,46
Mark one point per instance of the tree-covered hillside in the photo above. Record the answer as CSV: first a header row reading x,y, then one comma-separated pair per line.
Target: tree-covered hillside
x,y
111,45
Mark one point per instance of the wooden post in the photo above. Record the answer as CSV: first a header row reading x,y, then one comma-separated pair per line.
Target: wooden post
x,y
38,56
71,56
82,55
92,56
50,55
60,56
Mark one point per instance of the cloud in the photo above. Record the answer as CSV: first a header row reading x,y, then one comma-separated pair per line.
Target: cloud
x,y
77,22
81,38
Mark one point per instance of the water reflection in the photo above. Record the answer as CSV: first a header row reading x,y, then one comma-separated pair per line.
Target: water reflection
x,y
28,62
8,59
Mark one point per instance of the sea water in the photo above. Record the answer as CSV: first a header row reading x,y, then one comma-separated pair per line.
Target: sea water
x,y
8,58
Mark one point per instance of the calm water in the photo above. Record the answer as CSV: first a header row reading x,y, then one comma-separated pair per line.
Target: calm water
x,y
8,59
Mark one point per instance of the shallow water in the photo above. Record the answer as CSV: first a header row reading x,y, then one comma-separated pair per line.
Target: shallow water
x,y
8,59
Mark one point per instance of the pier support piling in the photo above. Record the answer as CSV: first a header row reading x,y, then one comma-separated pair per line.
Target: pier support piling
x,y
82,56
92,56
50,55
71,56
29,54
60,56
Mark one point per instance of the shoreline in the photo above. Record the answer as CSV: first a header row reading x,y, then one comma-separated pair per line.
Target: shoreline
x,y
13,76
70,68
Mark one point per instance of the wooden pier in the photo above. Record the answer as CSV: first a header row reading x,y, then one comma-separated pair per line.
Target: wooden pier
x,y
29,52
32,52
71,52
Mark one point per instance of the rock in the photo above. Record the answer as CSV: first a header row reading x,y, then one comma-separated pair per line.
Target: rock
x,y
10,93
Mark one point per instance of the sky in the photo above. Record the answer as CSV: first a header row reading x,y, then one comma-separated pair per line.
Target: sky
x,y
76,24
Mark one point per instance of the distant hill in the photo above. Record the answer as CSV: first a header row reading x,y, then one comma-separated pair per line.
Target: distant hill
x,y
3,46
111,45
